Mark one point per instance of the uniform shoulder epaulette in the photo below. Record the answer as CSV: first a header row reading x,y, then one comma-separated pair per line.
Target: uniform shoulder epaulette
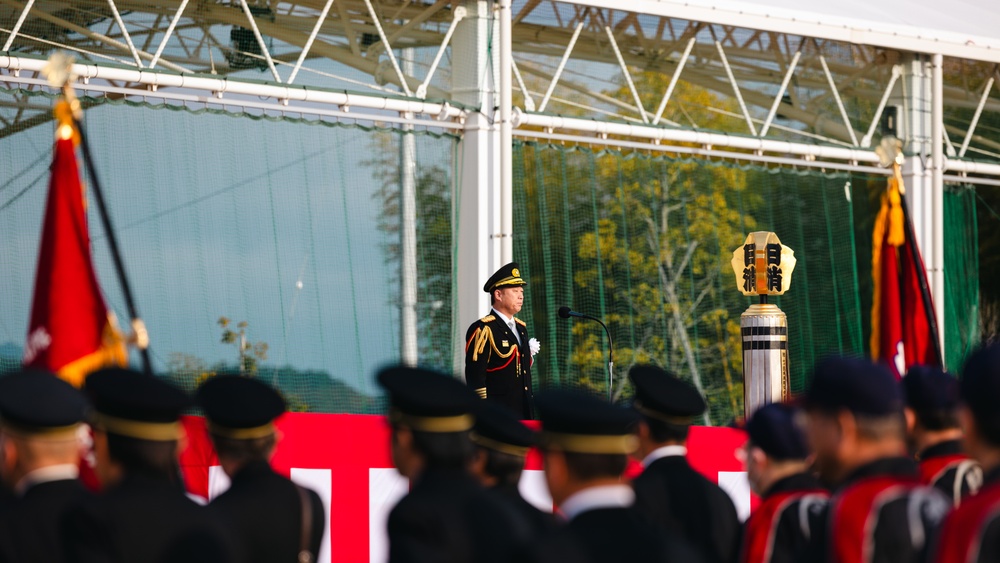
x,y
520,322
487,319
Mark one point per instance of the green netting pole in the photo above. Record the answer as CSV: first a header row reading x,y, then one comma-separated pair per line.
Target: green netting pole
x,y
833,265
350,265
543,215
856,338
806,337
597,235
567,238
628,261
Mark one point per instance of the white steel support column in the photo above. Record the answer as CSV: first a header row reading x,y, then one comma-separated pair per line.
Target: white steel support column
x,y
506,101
935,268
920,127
476,198
408,350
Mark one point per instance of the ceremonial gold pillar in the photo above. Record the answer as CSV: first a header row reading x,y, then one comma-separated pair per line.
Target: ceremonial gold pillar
x,y
763,267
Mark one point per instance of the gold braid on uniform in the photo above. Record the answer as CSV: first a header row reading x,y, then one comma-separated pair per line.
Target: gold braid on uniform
x,y
480,338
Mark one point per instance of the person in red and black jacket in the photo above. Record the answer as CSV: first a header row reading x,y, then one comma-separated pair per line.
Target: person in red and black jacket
x,y
971,534
935,435
777,468
879,510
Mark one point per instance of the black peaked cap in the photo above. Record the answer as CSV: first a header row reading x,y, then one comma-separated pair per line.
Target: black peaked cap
x,y
928,389
36,401
507,276
853,384
772,428
233,402
575,421
979,387
497,428
659,394
428,401
130,395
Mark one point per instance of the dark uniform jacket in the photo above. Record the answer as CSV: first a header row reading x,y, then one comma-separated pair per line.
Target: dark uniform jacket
x,y
537,521
146,519
611,535
33,529
778,530
675,497
496,366
264,511
880,514
449,518
945,467
971,533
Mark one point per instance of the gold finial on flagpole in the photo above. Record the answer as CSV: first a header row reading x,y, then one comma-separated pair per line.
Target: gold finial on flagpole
x,y
58,71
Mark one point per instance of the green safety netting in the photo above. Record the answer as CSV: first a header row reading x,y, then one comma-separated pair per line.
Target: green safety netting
x,y
292,226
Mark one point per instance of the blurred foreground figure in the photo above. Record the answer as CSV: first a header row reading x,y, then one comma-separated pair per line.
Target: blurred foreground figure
x,y
971,534
669,492
934,433
447,516
40,423
776,452
585,443
143,513
879,511
502,444
274,519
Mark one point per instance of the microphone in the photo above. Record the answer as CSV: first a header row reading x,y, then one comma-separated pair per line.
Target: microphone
x,y
566,312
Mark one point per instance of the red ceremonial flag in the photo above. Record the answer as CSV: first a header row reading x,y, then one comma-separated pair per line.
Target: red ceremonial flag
x,y
71,332
904,329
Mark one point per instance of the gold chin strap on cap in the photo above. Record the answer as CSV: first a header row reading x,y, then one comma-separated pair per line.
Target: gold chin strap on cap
x,y
241,433
646,411
591,443
434,424
153,431
489,443
55,433
508,281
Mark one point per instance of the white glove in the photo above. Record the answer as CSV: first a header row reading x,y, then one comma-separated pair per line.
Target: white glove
x,y
534,345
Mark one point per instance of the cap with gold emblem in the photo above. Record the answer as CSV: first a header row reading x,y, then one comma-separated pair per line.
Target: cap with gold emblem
x,y
427,401
662,396
39,404
240,408
508,276
135,405
577,422
498,429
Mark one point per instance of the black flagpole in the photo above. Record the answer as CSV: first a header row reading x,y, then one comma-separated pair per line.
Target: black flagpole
x,y
925,292
112,241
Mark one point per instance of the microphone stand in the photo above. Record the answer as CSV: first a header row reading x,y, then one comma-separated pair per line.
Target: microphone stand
x,y
566,313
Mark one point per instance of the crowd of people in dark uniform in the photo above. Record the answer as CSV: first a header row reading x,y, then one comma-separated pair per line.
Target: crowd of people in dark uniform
x,y
860,468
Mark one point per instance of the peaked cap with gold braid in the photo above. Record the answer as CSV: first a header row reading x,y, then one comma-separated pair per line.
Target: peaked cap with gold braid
x,y
577,422
427,401
498,429
38,404
240,408
508,276
136,405
662,396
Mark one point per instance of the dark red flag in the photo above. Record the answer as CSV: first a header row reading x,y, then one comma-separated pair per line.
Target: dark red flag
x,y
71,331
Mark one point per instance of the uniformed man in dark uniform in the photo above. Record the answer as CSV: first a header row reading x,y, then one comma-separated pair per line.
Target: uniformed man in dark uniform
x,y
497,349
778,530
447,516
670,492
585,445
971,533
274,519
40,421
502,444
935,435
879,510
143,513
